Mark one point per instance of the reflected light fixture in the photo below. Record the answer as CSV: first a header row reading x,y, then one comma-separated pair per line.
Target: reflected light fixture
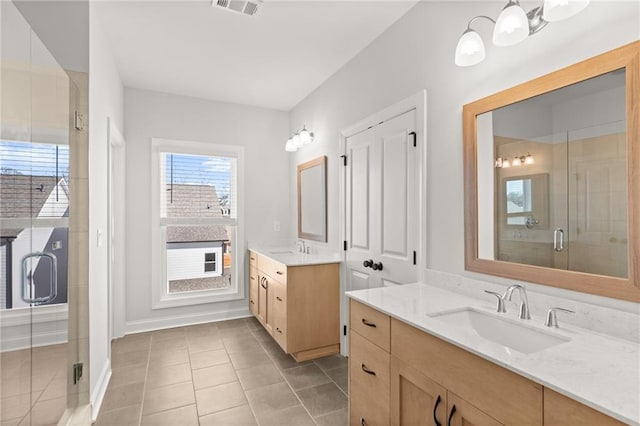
x,y
518,160
513,26
298,140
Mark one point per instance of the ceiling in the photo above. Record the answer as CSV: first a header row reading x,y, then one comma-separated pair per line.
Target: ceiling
x,y
273,59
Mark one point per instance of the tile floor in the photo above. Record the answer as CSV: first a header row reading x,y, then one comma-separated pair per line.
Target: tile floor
x,y
225,373
33,386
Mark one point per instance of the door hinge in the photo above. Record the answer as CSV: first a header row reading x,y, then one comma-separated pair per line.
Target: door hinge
x,y
77,373
78,120
344,330
415,138
344,160
415,258
344,245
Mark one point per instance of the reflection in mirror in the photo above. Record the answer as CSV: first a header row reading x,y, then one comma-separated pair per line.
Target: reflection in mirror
x,y
558,168
312,199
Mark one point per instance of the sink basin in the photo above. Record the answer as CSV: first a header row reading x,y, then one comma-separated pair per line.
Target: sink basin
x,y
503,331
282,252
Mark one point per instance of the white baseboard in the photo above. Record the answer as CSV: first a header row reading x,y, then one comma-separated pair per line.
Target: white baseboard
x,y
34,340
183,320
97,396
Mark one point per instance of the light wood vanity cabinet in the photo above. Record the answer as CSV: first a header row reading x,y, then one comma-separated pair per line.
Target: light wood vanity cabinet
x,y
298,305
433,382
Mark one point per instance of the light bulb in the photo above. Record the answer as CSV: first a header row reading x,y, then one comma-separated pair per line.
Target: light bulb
x,y
528,159
290,146
512,26
297,142
516,162
305,136
557,10
505,164
470,49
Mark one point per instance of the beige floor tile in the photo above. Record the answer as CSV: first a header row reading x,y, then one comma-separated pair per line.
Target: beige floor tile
x,y
204,343
330,362
165,358
305,376
128,375
168,345
183,416
168,334
128,416
247,344
261,375
131,343
337,418
271,398
323,399
237,416
214,376
218,398
11,422
47,412
340,376
168,375
295,415
123,396
208,358
13,385
284,361
249,359
128,359
234,324
57,388
168,397
15,406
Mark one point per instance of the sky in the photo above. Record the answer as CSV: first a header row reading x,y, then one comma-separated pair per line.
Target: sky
x,y
37,159
200,170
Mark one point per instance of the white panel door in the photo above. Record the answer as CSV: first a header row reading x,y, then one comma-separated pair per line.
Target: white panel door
x,y
381,204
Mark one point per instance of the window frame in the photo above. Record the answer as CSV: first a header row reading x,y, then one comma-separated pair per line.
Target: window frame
x,y
161,298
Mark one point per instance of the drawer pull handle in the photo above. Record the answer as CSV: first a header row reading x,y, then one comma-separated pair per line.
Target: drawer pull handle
x,y
366,370
435,409
362,422
279,298
278,330
368,324
453,410
252,302
279,273
253,258
253,278
264,286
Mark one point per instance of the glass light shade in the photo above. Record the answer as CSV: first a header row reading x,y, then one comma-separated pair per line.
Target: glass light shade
x,y
529,159
290,146
305,136
297,142
511,27
470,49
557,10
505,163
516,162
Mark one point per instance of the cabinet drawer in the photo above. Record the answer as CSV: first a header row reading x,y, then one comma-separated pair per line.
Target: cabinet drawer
x,y
369,381
372,324
253,260
275,270
560,410
279,303
253,292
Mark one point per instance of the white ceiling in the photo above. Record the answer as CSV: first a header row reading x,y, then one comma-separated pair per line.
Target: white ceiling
x,y
272,59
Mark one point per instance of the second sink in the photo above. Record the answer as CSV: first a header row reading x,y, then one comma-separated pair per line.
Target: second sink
x,y
502,331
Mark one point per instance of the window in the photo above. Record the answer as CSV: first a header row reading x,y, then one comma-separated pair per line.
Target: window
x,y
197,222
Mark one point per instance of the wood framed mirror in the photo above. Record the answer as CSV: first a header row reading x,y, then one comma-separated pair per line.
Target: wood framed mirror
x,y
576,132
312,199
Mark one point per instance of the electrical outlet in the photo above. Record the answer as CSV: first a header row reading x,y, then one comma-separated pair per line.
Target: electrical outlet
x,y
276,226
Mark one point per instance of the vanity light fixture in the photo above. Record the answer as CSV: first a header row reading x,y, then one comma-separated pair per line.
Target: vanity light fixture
x,y
300,139
518,160
513,26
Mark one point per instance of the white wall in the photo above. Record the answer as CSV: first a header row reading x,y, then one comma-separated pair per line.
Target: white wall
x,y
262,132
105,100
418,52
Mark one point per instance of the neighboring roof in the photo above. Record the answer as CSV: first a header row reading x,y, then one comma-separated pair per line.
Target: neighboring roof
x,y
24,195
194,201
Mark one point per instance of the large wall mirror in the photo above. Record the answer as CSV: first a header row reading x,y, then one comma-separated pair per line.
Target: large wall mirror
x,y
312,199
552,178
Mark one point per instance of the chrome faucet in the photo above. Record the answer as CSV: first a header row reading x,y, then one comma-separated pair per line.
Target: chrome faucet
x,y
300,246
500,308
524,302
552,319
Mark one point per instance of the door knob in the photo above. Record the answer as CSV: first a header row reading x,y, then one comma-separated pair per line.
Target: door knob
x,y
367,263
377,266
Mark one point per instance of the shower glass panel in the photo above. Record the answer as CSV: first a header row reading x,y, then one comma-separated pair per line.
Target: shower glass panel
x,y
35,193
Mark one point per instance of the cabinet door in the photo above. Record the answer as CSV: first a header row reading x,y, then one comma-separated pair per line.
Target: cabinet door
x,y
254,292
278,316
461,413
415,399
560,410
262,301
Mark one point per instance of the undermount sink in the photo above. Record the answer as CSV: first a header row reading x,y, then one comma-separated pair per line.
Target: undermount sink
x,y
503,331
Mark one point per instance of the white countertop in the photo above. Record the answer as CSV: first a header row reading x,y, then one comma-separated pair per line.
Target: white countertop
x,y
289,257
599,371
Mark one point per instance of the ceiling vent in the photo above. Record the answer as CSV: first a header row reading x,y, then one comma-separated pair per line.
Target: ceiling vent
x,y
245,7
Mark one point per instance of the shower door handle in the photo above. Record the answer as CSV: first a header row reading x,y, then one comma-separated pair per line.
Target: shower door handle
x,y
53,278
558,239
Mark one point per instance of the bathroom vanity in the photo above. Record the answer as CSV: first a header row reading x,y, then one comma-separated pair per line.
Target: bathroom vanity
x,y
296,297
420,355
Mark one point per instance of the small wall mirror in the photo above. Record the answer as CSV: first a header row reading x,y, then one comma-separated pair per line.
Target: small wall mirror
x,y
551,178
312,199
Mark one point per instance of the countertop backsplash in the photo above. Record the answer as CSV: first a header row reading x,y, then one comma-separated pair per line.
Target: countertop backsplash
x,y
619,323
